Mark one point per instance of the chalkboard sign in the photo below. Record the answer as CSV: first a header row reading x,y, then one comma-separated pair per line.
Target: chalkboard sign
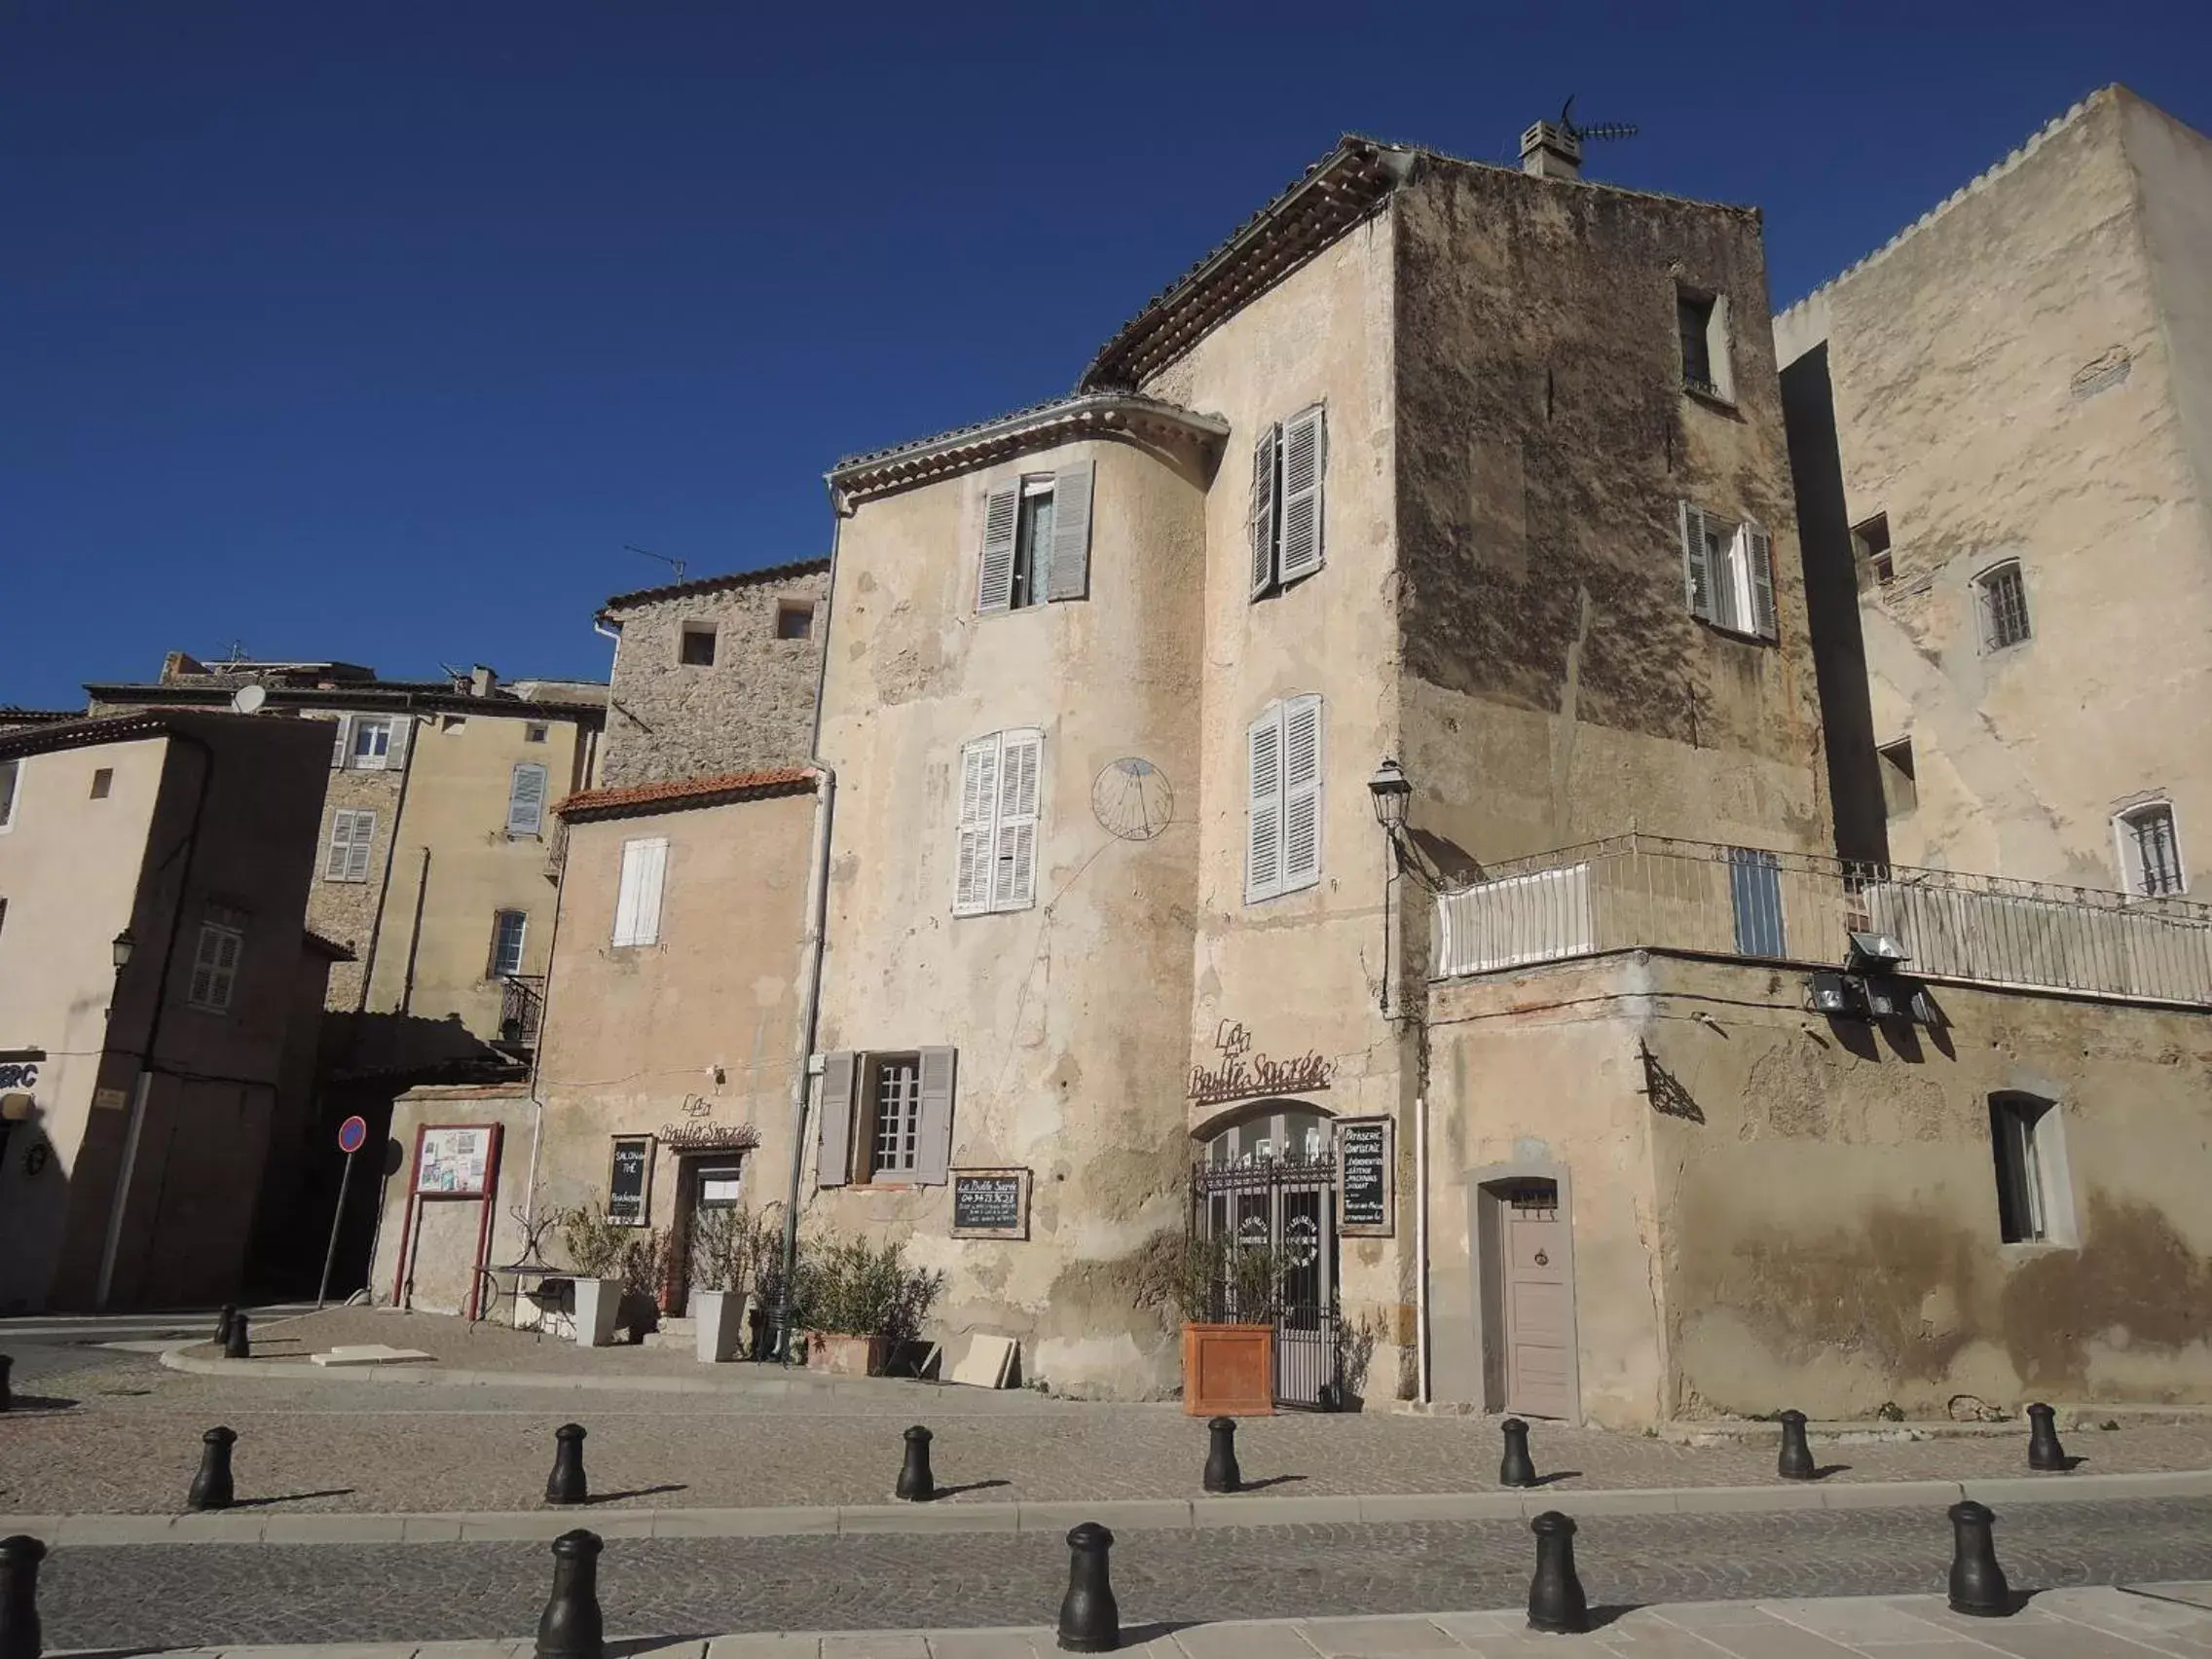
x,y
990,1203
1364,1178
629,1181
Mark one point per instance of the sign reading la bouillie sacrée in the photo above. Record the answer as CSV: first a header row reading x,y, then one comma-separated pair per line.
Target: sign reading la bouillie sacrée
x,y
1241,1075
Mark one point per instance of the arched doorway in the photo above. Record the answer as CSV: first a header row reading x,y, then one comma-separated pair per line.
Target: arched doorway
x,y
1266,1180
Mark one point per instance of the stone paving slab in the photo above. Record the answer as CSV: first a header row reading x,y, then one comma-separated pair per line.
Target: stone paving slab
x,y
2136,1622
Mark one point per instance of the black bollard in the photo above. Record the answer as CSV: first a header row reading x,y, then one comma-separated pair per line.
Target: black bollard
x,y
20,1635
1516,1469
571,1627
1978,1582
566,1484
1090,1620
1221,1473
211,1487
223,1322
916,1485
234,1345
1796,1460
2043,1451
7,1398
1557,1606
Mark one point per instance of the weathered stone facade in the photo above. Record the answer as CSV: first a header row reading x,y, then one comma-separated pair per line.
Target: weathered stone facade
x,y
348,911
751,706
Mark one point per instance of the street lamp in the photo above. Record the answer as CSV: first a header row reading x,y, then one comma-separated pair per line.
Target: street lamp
x,y
1392,792
121,948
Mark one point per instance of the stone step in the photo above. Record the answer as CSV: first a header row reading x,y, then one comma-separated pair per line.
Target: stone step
x,y
673,1333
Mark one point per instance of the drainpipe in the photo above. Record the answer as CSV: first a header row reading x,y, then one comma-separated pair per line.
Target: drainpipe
x,y
1420,1239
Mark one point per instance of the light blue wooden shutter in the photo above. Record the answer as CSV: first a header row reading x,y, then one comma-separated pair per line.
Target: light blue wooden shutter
x,y
1758,556
933,1139
1300,792
1070,574
1697,567
1262,829
1261,519
526,799
834,1135
1305,455
1001,519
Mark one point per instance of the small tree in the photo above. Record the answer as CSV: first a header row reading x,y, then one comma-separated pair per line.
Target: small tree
x,y
850,1287
1208,1279
594,1241
732,1248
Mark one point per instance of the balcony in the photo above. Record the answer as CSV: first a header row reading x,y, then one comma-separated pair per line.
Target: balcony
x,y
522,1006
1702,898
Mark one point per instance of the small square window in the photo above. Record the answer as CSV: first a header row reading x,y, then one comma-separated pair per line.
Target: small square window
x,y
794,620
1900,787
103,780
1871,544
696,649
533,732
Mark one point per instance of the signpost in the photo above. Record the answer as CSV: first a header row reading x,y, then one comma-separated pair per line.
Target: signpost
x,y
352,1136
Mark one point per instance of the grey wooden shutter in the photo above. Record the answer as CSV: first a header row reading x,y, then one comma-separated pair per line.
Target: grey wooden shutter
x,y
341,846
1013,883
526,799
1759,555
395,756
833,1139
1261,518
1300,792
357,855
979,812
341,739
933,1140
1697,568
1002,518
1263,829
1070,576
1305,457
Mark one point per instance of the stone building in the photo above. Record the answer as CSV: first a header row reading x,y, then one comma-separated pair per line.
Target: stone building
x,y
2004,419
159,999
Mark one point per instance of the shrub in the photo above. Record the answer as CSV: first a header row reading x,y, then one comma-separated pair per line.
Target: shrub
x,y
594,1243
734,1249
1208,1278
850,1287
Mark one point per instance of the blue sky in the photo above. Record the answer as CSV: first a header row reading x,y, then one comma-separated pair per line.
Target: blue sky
x,y
375,330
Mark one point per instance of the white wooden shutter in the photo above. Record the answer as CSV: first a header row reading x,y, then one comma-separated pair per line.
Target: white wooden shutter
x,y
1014,882
395,758
1757,551
626,894
357,855
1697,568
340,854
1300,792
1001,519
1070,576
1262,520
526,799
341,740
833,1136
1263,838
978,813
933,1139
1304,459
637,897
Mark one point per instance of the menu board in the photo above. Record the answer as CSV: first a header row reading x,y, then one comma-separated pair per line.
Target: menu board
x,y
990,1203
1364,1172
630,1180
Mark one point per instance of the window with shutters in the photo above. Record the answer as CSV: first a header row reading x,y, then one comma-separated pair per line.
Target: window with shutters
x,y
1285,523
11,775
1036,541
371,748
2150,850
509,928
352,833
526,800
995,863
894,1115
1727,572
215,960
637,893
886,1119
1282,839
2001,605
1702,321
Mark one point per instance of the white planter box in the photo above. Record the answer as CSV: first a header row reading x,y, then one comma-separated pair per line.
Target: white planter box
x,y
720,1316
599,1302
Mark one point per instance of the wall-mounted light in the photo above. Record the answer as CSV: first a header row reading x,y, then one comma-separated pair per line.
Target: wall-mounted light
x,y
1392,792
121,948
1832,993
1875,952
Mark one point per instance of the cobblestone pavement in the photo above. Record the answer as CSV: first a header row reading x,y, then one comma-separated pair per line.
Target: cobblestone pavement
x,y
223,1594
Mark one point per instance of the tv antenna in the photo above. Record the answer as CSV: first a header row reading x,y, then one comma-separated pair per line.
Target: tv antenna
x,y
1595,129
676,564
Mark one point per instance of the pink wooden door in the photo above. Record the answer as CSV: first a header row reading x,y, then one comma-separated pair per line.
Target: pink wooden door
x,y
1539,1304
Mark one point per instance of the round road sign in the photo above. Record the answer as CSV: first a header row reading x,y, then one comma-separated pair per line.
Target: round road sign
x,y
353,1134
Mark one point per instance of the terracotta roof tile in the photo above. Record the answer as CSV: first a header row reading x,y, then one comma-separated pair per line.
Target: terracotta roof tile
x,y
675,792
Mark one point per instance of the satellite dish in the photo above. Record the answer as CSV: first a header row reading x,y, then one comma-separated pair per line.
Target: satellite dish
x,y
248,699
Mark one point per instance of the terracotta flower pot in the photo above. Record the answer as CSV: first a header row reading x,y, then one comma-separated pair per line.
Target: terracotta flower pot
x,y
837,1354
1228,1370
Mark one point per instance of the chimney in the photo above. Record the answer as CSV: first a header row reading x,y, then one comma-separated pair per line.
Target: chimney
x,y
482,682
1550,151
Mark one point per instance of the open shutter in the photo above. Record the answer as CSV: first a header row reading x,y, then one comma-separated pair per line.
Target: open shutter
x,y
1263,840
402,728
1697,568
1262,520
341,739
1070,532
933,1140
341,856
833,1140
1304,457
626,895
1300,792
652,867
1758,554
978,810
526,799
1013,883
1002,517
357,855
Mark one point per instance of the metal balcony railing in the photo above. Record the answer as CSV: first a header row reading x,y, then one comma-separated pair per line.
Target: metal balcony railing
x,y
522,1007
1702,899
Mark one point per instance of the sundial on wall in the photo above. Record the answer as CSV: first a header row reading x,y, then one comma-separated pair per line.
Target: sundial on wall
x,y
1131,799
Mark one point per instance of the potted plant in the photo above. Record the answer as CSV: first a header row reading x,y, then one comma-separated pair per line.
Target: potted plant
x,y
594,1244
855,1300
1227,1296
729,1247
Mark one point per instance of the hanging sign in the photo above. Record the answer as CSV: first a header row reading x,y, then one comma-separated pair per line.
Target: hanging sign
x,y
1366,1184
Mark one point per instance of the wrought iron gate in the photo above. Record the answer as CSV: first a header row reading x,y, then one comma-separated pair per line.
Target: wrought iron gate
x,y
1288,1208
